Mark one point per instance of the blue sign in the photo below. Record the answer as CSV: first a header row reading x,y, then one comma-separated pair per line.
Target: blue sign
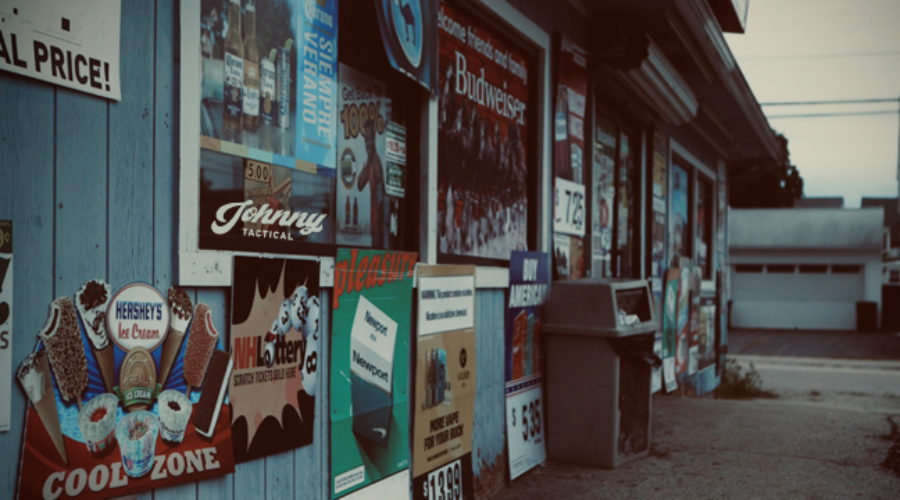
x,y
317,44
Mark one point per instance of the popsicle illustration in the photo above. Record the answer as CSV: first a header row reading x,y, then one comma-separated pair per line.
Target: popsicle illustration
x,y
34,375
91,301
180,306
201,343
62,339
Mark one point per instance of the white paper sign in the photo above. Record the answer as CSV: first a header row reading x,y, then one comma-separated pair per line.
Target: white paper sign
x,y
525,425
372,345
72,44
447,303
6,321
569,212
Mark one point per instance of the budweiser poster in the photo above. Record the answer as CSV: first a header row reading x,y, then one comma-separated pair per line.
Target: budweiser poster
x,y
275,341
126,393
482,150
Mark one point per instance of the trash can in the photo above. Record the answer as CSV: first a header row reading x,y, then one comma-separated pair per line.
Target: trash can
x,y
599,351
866,316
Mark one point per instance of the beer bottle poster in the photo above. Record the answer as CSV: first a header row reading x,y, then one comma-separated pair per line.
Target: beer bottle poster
x,y
362,206
444,401
275,340
372,312
126,393
268,81
529,285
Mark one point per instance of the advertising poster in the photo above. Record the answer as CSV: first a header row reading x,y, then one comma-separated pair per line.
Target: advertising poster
x,y
372,312
482,150
127,392
569,115
409,35
669,329
658,240
6,321
694,331
395,161
529,286
603,192
683,312
679,238
365,111
38,35
269,81
562,256
275,341
707,329
443,414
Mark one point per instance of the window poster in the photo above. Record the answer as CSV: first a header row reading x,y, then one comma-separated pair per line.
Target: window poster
x,y
658,239
482,151
365,112
443,414
683,316
372,312
6,321
669,329
71,44
127,392
680,227
603,189
529,285
275,340
268,113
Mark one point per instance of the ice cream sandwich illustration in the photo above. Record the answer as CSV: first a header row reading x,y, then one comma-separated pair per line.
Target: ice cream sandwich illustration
x,y
62,339
201,343
215,384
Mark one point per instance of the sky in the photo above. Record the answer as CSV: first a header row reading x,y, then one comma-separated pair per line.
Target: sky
x,y
815,50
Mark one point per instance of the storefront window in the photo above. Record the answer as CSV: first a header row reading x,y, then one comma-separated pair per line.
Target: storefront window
x,y
704,226
626,206
680,225
603,192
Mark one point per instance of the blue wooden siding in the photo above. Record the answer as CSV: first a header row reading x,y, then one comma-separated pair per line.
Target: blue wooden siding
x,y
91,187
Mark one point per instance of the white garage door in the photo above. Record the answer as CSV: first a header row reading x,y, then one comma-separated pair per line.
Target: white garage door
x,y
808,296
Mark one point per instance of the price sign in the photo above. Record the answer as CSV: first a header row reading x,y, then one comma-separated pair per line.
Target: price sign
x,y
6,303
257,171
569,212
445,483
525,425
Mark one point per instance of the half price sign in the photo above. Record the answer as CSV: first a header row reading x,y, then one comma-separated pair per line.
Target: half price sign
x,y
569,211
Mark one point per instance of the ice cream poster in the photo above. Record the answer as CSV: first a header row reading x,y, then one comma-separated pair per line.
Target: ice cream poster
x,y
126,392
372,306
275,341
444,402
529,284
365,112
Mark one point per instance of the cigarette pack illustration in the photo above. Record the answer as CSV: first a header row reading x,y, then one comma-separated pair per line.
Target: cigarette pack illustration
x,y
371,369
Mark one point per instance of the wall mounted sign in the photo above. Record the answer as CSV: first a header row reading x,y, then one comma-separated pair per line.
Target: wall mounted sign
x,y
71,44
409,35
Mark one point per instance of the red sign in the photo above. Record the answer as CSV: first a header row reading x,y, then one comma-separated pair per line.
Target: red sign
x,y
482,152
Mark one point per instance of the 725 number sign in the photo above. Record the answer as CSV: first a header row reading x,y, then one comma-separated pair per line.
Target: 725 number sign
x,y
569,210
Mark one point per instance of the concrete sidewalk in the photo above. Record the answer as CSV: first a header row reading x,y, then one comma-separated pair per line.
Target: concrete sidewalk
x,y
708,448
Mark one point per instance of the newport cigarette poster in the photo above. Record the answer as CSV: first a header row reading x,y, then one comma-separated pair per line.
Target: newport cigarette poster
x,y
6,321
71,44
372,312
482,140
275,341
365,111
444,402
127,392
529,285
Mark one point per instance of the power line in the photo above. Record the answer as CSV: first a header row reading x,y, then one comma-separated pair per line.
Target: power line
x,y
831,101
824,115
835,55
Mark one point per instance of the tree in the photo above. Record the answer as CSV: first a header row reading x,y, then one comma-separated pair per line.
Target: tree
x,y
766,184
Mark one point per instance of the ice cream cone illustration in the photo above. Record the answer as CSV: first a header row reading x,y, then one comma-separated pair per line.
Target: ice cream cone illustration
x,y
34,376
201,343
91,302
62,340
180,306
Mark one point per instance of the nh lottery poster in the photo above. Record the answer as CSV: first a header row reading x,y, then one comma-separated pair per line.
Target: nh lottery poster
x,y
275,340
445,383
372,312
365,112
529,284
126,393
482,140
